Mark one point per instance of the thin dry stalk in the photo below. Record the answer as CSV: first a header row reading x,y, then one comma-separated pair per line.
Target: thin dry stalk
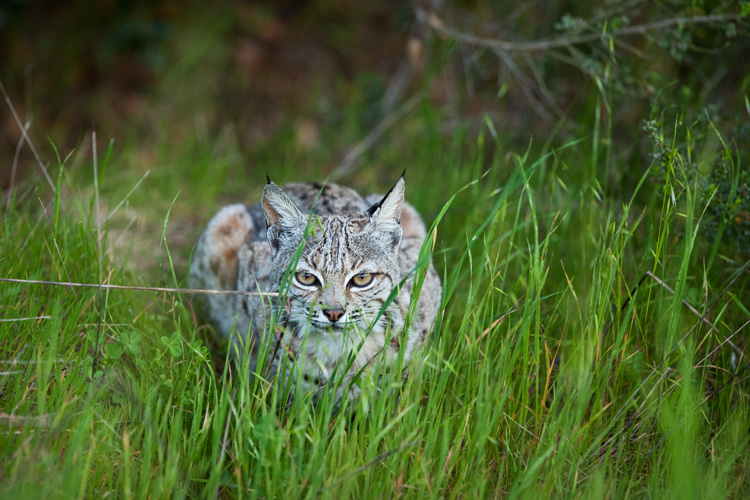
x,y
369,464
14,168
139,288
114,210
347,164
701,317
26,137
41,421
33,318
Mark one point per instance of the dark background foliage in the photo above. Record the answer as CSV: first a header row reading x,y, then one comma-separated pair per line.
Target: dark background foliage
x,y
77,65
286,72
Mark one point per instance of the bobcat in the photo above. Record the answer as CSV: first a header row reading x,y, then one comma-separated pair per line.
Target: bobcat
x,y
345,255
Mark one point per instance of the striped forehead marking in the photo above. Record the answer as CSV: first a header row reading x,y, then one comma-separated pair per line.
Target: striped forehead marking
x,y
332,250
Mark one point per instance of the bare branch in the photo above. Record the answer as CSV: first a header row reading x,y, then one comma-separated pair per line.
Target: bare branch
x,y
437,24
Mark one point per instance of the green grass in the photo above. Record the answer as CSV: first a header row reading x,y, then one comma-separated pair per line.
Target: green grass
x,y
550,373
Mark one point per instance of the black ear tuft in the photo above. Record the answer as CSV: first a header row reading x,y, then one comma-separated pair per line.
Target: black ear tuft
x,y
389,208
371,211
269,179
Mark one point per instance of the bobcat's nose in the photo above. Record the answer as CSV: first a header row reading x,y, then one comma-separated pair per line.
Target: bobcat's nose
x,y
334,314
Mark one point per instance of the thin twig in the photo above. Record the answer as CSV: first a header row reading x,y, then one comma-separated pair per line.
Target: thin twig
x,y
416,53
101,303
702,317
685,302
345,166
26,137
122,234
640,409
674,348
14,168
114,211
726,384
14,362
369,464
734,375
141,288
13,320
729,341
524,83
100,323
19,419
224,439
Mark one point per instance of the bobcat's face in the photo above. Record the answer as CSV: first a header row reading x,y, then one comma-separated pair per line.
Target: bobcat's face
x,y
347,267
343,277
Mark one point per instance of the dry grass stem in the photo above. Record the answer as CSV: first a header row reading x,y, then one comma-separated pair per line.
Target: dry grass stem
x,y
140,288
26,137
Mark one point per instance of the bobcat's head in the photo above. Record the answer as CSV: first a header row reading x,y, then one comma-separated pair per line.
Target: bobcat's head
x,y
348,265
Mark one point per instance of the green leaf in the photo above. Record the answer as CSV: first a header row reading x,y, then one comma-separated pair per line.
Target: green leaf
x,y
113,350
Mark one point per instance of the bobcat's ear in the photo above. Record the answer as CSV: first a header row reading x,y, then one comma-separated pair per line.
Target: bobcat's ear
x,y
387,212
279,209
283,218
385,215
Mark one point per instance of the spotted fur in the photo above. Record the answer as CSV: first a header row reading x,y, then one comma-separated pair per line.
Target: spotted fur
x,y
354,252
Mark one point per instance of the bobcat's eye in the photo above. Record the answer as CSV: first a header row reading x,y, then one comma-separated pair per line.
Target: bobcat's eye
x,y
362,279
307,279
